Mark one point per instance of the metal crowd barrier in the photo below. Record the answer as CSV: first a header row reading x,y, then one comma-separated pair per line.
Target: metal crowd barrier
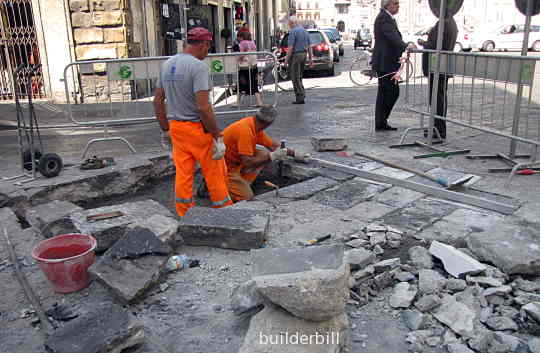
x,y
120,91
495,94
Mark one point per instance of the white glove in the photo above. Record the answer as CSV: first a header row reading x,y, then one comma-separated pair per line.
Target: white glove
x,y
279,154
302,157
166,141
219,149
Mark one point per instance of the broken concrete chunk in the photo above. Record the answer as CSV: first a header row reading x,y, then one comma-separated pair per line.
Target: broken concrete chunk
x,y
132,265
357,243
274,330
501,291
527,286
428,302
383,280
387,265
377,250
512,342
108,231
105,328
430,282
533,310
393,236
485,281
455,262
301,191
501,323
322,144
165,228
311,283
534,345
455,285
366,272
420,257
41,215
404,276
375,227
359,258
458,316
227,228
413,319
512,247
376,238
245,298
403,295
523,298
458,348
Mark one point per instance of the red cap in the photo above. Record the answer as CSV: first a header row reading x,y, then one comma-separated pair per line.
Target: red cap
x,y
199,33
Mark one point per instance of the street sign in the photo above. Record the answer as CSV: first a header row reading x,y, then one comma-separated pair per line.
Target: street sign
x,y
522,7
217,66
452,7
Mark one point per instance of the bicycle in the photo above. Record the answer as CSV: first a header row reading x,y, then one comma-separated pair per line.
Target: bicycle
x,y
361,73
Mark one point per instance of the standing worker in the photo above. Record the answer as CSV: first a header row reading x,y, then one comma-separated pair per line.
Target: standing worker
x,y
244,159
388,48
450,33
188,120
299,49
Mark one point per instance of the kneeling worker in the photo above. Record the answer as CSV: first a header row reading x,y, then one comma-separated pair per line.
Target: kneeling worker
x,y
244,160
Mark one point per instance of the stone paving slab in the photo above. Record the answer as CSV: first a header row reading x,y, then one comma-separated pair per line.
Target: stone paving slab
x,y
273,261
369,210
348,194
393,173
108,231
398,196
338,227
227,227
132,265
41,215
300,191
106,328
419,215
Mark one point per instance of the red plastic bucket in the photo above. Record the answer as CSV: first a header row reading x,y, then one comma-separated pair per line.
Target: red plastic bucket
x,y
64,259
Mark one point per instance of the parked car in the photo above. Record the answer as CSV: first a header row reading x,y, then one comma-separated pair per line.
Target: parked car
x,y
507,37
463,42
334,43
323,53
363,39
336,36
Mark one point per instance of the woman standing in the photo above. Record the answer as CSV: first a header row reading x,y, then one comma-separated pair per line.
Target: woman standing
x,y
247,73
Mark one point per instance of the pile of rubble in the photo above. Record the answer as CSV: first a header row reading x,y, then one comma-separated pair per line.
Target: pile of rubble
x,y
446,297
303,292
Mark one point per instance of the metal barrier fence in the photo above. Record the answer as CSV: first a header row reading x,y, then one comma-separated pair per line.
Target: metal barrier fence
x,y
495,94
120,91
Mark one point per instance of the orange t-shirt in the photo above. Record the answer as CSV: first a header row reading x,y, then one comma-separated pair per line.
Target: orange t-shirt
x,y
240,138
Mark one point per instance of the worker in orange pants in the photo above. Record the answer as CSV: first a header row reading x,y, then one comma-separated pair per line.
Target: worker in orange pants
x,y
244,160
188,123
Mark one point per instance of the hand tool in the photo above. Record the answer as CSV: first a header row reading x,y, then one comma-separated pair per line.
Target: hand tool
x,y
527,172
441,181
318,240
280,163
102,216
272,185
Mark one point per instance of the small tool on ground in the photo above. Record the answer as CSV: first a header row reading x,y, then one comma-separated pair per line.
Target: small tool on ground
x,y
451,186
527,172
97,163
316,240
102,216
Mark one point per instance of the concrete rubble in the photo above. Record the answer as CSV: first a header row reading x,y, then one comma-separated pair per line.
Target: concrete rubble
x,y
403,295
105,328
43,215
227,228
133,264
326,143
455,262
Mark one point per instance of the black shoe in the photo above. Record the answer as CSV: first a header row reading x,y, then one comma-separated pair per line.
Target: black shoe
x,y
299,102
443,135
385,128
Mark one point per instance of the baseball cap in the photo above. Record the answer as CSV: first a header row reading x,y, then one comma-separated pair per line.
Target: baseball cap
x,y
199,33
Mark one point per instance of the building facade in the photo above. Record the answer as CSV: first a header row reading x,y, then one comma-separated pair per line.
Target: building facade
x,y
53,33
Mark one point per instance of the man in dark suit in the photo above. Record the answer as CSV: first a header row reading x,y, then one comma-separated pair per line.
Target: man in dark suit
x,y
385,61
450,33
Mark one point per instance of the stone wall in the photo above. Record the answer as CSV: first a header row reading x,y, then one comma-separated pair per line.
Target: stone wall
x,y
101,30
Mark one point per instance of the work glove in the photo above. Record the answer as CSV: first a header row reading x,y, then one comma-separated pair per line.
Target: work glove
x,y
302,157
166,141
279,154
219,149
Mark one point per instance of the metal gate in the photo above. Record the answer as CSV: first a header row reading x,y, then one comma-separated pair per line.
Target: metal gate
x,y
18,47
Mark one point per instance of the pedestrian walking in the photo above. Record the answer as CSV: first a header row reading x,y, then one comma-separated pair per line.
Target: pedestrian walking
x,y
187,120
450,33
248,72
387,51
297,53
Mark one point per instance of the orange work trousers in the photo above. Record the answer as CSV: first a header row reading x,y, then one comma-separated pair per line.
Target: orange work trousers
x,y
192,144
240,182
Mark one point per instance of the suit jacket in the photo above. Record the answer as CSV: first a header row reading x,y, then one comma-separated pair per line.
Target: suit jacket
x,y
450,33
389,44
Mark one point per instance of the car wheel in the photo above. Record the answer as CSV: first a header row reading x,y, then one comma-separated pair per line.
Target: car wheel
x,y
458,47
332,70
536,46
488,46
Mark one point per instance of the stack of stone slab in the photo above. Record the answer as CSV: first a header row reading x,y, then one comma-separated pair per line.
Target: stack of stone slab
x,y
304,291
